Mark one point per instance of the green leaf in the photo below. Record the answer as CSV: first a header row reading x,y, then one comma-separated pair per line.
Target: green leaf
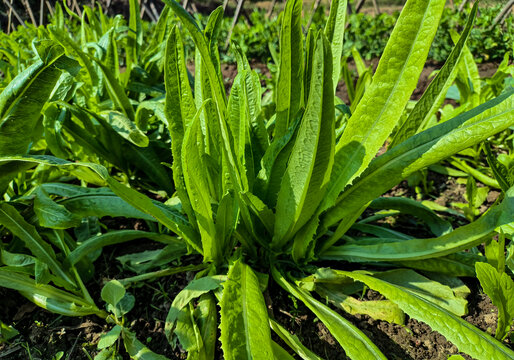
x,y
309,166
430,290
193,150
205,315
354,342
126,128
116,237
279,353
465,336
51,214
180,110
421,150
290,74
434,95
458,264
274,164
499,170
193,290
109,338
334,31
135,36
265,214
47,296
377,309
200,41
384,100
437,225
21,103
245,331
500,288
167,218
105,354
113,292
7,332
293,342
136,349
188,334
116,92
12,220
462,238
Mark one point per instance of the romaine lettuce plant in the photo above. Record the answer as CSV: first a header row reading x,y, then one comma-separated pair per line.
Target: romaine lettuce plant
x,y
284,191
267,200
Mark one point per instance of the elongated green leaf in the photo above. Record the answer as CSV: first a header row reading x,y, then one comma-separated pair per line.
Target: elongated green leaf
x,y
465,336
499,170
12,220
112,238
468,77
380,232
180,110
382,104
462,238
212,32
253,92
458,264
354,342
205,313
312,157
409,206
145,204
197,186
245,331
100,205
201,44
430,290
47,296
52,214
162,214
116,92
193,290
21,103
126,128
135,36
110,338
100,202
188,333
377,309
293,342
334,31
433,97
273,166
279,353
136,349
290,74
265,214
72,48
238,122
421,150
500,288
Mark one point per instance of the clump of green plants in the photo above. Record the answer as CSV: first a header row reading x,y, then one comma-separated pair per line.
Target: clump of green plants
x,y
270,191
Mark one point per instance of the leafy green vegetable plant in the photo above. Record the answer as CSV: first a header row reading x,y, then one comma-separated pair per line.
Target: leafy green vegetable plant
x,y
267,197
119,303
287,191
